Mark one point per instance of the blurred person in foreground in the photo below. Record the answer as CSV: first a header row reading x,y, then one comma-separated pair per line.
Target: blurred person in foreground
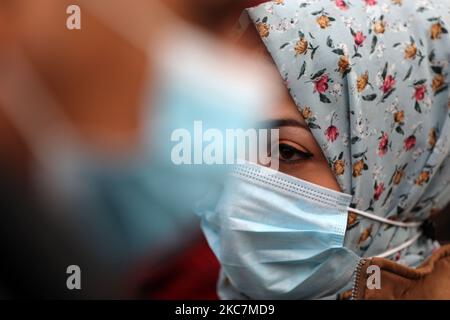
x,y
86,118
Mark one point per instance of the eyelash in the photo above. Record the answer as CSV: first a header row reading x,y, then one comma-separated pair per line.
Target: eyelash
x,y
302,154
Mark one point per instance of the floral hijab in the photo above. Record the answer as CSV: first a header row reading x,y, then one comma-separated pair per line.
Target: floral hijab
x,y
371,78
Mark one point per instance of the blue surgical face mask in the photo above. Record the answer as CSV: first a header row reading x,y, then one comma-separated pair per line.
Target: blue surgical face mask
x,y
279,237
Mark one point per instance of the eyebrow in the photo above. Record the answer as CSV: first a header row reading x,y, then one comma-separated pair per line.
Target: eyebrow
x,y
278,123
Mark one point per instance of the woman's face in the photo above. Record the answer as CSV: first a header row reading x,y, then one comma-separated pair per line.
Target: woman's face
x,y
299,154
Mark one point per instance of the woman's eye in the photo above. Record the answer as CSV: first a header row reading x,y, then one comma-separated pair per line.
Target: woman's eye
x,y
288,153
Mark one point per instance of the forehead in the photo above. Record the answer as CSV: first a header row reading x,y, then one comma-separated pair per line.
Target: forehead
x,y
285,108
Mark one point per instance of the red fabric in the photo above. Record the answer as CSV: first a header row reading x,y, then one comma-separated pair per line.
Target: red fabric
x,y
192,275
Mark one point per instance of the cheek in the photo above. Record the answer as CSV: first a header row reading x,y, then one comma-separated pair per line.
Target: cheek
x,y
323,176
314,171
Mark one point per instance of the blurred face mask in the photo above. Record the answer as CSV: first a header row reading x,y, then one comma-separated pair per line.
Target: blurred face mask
x,y
139,201
279,237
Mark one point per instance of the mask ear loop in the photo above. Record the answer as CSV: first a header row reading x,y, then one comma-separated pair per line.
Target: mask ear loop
x,y
400,247
384,220
394,223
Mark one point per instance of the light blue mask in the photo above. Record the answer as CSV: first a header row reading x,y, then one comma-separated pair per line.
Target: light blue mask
x,y
278,237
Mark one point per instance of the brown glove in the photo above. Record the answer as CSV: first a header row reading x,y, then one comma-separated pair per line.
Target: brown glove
x,y
430,281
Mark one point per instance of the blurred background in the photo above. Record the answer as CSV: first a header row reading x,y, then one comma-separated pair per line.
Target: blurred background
x,y
85,122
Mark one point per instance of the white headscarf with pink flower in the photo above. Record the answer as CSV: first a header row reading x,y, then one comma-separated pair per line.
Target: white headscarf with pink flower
x,y
375,85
